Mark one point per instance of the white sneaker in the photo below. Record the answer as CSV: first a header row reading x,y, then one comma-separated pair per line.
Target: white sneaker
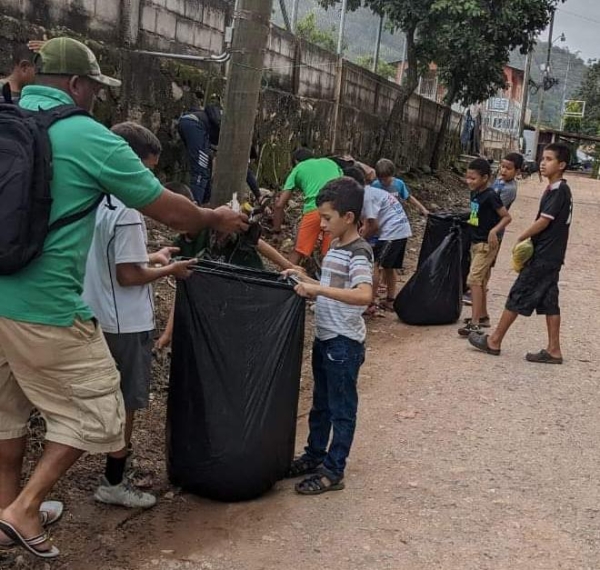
x,y
123,494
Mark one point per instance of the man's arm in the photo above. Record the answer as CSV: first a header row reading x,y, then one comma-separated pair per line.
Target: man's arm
x,y
279,209
184,216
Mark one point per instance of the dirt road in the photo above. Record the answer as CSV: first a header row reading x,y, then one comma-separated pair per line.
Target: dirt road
x,y
461,461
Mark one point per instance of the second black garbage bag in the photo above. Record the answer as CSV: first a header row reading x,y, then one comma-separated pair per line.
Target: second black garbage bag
x,y
433,295
234,384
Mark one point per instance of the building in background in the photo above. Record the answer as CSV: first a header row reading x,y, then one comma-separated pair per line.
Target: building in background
x,y
500,115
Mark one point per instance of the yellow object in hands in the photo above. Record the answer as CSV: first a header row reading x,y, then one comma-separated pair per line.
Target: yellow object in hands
x,y
521,254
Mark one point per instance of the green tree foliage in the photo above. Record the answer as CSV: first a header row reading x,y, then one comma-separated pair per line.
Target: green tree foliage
x,y
384,68
469,40
590,93
308,30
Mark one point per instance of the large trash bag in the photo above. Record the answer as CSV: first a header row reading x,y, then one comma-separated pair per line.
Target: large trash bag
x,y
437,228
235,377
433,295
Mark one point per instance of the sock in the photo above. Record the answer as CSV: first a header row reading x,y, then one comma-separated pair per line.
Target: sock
x,y
115,469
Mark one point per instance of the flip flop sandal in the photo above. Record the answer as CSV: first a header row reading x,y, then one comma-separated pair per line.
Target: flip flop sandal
x,y
29,544
316,485
50,513
480,342
302,466
543,357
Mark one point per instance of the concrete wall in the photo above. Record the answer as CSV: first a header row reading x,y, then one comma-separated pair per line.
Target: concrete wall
x,y
299,80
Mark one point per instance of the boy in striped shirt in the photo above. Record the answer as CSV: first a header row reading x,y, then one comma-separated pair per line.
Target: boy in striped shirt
x,y
342,295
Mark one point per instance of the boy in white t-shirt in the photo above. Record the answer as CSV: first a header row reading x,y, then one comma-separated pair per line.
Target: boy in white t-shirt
x,y
384,216
117,288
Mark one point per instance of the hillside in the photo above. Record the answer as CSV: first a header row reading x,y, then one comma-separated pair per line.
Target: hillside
x,y
361,29
559,63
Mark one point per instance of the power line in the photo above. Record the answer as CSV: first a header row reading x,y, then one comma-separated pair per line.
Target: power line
x,y
586,18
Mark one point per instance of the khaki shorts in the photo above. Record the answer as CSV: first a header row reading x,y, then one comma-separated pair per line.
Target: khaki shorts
x,y
68,374
482,261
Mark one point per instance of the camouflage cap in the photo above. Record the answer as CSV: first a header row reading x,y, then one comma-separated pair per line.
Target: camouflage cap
x,y
66,56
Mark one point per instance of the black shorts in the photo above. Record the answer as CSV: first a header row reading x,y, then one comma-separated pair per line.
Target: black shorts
x,y
536,289
133,355
390,254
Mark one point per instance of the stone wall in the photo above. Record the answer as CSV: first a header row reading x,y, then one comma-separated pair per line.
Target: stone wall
x,y
302,86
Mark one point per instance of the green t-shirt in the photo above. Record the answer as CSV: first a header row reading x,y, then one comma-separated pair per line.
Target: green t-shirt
x,y
310,176
88,160
195,247
235,250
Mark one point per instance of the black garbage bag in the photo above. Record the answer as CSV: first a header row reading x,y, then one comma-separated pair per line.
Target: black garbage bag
x,y
433,295
437,228
235,377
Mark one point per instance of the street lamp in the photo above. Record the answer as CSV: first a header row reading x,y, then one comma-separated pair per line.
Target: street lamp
x,y
564,97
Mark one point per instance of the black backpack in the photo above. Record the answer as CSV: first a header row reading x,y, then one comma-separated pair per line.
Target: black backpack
x,y
25,176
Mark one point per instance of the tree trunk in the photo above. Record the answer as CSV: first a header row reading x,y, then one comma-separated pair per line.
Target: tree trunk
x,y
440,141
409,84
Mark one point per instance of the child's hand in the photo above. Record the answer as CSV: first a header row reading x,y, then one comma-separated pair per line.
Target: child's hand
x,y
163,341
181,269
36,45
299,269
296,272
307,290
493,239
163,256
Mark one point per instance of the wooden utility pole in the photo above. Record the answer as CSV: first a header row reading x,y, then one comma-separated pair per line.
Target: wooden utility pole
x,y
538,123
525,98
250,35
378,44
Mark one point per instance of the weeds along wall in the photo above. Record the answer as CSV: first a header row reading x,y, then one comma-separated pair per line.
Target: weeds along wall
x,y
309,96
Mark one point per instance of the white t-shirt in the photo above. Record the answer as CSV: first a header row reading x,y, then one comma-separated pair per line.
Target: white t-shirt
x,y
391,218
119,237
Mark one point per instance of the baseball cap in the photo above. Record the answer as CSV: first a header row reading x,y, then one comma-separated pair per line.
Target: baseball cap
x,y
66,56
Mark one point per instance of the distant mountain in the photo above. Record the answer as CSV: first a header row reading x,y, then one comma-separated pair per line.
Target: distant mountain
x,y
560,60
360,33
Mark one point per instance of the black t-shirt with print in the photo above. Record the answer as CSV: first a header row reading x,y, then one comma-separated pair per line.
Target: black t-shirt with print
x,y
484,214
557,205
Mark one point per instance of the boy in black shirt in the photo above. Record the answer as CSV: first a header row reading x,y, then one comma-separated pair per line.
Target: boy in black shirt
x,y
537,285
488,218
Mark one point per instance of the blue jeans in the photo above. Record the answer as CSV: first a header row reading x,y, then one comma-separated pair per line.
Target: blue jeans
x,y
335,365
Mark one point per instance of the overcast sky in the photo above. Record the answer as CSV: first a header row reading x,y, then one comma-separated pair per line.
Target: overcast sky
x,y
580,22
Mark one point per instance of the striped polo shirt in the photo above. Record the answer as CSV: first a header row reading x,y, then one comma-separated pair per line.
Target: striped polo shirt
x,y
344,267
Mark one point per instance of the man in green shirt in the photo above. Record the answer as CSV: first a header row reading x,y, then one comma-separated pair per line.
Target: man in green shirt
x,y
53,355
309,175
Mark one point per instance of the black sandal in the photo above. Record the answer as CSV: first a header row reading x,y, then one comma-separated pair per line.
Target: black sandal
x,y
303,465
480,342
543,357
318,484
